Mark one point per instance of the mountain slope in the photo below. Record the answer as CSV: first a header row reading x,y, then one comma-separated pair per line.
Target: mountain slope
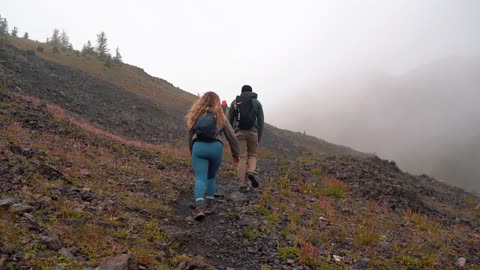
x,y
71,199
76,198
117,98
131,78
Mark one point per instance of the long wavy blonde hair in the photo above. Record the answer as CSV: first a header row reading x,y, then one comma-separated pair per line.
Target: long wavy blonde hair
x,y
208,102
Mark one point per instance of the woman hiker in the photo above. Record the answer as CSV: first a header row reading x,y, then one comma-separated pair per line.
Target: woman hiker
x,y
205,122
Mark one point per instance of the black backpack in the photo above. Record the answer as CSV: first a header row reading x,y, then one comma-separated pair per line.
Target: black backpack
x,y
245,112
206,126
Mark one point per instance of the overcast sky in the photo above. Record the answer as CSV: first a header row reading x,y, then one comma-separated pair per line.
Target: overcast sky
x,y
281,48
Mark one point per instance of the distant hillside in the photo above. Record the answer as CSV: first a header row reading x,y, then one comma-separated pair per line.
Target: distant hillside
x,y
123,99
288,141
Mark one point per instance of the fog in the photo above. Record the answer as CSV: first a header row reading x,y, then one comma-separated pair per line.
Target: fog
x,y
397,78
428,120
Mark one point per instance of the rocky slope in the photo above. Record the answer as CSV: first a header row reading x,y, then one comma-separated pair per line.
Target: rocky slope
x,y
74,196
95,100
150,118
70,199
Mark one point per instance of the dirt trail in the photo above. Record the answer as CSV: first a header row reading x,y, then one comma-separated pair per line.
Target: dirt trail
x,y
220,237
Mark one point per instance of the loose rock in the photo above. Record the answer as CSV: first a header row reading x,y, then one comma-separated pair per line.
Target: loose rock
x,y
21,208
176,234
3,262
122,262
52,242
238,197
7,202
461,262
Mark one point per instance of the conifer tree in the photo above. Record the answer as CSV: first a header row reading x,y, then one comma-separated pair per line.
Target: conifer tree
x,y
14,31
88,48
25,36
64,40
55,39
101,47
3,26
118,56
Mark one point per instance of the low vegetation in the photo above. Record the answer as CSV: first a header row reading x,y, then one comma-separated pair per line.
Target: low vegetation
x,y
100,196
317,217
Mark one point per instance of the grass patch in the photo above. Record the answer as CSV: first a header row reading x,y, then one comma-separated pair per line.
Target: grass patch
x,y
309,254
290,230
366,236
295,218
284,182
73,214
8,234
250,234
122,234
316,172
261,209
152,232
273,217
180,258
288,253
408,261
422,222
267,197
334,187
144,254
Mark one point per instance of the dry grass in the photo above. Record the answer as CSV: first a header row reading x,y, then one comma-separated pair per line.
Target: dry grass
x,y
126,76
334,187
101,228
321,213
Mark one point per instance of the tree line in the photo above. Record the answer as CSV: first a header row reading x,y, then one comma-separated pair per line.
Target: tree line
x,y
4,29
60,41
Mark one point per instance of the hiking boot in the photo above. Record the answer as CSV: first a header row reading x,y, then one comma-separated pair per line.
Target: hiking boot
x,y
210,208
252,179
199,213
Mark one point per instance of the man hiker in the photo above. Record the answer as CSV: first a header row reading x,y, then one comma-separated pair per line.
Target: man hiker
x,y
246,116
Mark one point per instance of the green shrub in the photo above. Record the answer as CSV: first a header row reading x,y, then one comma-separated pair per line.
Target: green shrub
x,y
288,252
366,236
316,172
334,191
250,234
409,261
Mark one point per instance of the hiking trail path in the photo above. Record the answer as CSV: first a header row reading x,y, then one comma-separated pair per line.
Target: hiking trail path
x,y
221,237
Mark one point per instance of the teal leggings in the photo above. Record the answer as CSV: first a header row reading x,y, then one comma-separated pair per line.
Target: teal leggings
x,y
206,160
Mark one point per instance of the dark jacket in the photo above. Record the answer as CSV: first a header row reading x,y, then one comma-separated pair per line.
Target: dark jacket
x,y
258,127
229,134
